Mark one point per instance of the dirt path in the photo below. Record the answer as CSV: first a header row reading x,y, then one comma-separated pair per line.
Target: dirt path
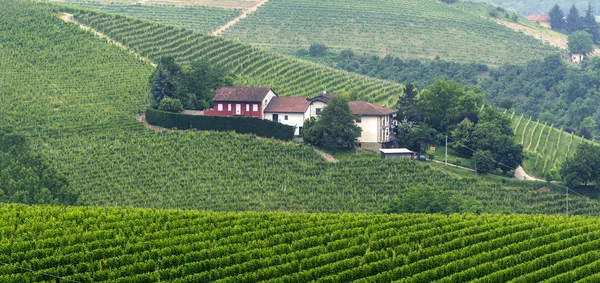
x,y
328,157
454,165
243,15
70,19
521,175
552,40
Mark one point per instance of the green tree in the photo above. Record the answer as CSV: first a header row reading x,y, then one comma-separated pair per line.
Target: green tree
x,y
580,42
201,80
463,137
557,18
407,104
484,160
170,105
589,24
317,50
335,128
583,167
161,86
573,21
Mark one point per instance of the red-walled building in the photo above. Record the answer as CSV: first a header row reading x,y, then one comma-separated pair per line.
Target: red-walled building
x,y
241,101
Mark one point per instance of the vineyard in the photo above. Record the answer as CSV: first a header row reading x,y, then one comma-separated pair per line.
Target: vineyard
x,y
137,245
252,66
407,29
201,18
547,146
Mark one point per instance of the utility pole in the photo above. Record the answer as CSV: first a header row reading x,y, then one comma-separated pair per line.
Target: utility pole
x,y
446,159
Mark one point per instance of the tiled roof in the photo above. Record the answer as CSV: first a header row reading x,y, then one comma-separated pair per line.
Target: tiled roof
x,y
250,94
539,18
290,104
369,109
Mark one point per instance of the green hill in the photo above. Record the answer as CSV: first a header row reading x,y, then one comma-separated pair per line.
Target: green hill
x,y
407,29
137,245
77,99
547,147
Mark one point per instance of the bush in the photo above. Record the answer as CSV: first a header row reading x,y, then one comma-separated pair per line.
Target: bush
x,y
170,105
242,125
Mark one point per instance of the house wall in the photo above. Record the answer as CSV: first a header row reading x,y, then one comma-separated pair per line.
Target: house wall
x,y
294,120
266,101
313,108
229,109
370,129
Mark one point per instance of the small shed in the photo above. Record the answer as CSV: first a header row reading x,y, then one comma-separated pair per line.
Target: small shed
x,y
576,58
397,153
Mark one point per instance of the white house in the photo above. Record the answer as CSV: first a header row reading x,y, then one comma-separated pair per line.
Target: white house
x,y
376,124
576,58
289,110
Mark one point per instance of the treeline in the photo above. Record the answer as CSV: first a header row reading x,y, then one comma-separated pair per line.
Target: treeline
x,y
573,22
420,73
26,177
446,108
528,7
551,91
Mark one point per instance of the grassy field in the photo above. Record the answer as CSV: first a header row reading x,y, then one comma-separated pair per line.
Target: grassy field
x,y
404,28
202,18
138,245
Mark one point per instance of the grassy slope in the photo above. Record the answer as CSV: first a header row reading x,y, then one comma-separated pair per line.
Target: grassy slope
x,y
201,18
405,28
77,98
137,245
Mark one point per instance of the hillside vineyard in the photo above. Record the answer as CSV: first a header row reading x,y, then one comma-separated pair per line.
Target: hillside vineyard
x,y
138,245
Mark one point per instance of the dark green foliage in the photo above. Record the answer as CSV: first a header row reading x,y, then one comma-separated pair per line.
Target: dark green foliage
x,y
420,73
573,23
335,128
170,105
557,18
582,168
589,24
160,85
549,91
193,85
407,104
317,50
484,161
242,125
580,42
449,1
419,199
26,177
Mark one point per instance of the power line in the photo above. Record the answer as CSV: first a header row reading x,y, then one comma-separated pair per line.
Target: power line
x,y
43,273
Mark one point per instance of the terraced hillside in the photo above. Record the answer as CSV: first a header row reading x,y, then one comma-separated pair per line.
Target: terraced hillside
x,y
201,18
77,98
547,146
404,28
253,67
137,245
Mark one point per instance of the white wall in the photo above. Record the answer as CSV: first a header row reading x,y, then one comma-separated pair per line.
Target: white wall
x,y
266,101
294,120
313,108
370,129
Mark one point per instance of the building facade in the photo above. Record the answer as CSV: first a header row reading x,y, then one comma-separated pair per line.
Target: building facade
x,y
238,101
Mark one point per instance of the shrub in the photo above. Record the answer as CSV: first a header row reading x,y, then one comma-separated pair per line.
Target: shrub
x,y
170,105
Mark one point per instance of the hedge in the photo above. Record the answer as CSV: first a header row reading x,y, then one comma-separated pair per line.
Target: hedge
x,y
242,125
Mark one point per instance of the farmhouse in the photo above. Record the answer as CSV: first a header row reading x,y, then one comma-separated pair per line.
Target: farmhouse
x,y
541,19
241,101
290,111
376,124
576,58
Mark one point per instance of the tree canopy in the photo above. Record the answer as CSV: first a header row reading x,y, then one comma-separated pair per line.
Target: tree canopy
x,y
335,128
193,84
582,168
557,18
580,42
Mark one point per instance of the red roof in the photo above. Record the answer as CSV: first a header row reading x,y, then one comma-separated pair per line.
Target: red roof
x,y
539,18
241,94
369,109
290,104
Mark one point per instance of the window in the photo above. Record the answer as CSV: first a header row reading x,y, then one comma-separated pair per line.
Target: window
x,y
229,107
247,107
254,107
318,110
285,117
219,107
359,119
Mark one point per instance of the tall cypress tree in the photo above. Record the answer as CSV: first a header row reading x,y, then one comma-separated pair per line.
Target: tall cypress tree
x,y
589,24
557,18
161,86
573,20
